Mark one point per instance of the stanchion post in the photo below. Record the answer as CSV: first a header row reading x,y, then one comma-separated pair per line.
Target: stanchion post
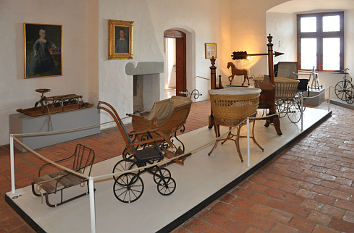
x,y
302,111
92,205
329,99
248,143
12,164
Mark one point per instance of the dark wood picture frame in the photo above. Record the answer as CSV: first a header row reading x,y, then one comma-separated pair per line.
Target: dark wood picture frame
x,y
42,50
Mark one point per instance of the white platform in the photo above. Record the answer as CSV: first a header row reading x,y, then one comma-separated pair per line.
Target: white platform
x,y
198,179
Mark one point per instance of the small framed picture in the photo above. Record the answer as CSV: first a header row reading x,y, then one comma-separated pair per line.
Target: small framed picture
x,y
211,50
42,50
120,39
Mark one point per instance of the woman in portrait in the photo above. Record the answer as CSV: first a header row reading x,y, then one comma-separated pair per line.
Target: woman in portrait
x,y
41,60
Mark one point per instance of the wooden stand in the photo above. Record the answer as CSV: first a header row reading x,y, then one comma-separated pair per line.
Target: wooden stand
x,y
213,86
267,98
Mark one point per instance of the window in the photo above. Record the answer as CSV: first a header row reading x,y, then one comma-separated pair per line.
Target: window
x,y
320,41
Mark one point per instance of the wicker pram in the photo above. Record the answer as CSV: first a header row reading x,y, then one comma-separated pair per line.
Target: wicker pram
x,y
285,88
231,106
166,118
287,100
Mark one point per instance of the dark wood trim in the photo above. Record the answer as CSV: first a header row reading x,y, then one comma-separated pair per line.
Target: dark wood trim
x,y
181,59
320,35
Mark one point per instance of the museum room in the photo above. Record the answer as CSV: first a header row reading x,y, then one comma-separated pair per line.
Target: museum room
x,y
184,116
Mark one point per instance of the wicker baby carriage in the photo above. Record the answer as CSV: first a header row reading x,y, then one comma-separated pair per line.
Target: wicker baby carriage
x,y
287,101
166,117
230,107
285,88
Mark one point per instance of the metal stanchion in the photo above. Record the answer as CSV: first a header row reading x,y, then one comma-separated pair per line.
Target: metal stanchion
x,y
12,165
248,143
92,205
329,99
302,111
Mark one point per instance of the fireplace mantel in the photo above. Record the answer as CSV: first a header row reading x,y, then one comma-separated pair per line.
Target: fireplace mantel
x,y
144,68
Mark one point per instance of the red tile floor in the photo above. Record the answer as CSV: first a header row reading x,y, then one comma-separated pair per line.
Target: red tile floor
x,y
307,188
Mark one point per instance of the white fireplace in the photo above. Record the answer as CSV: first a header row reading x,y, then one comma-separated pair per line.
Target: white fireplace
x,y
146,83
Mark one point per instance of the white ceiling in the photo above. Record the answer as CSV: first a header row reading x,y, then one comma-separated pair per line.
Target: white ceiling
x,y
296,6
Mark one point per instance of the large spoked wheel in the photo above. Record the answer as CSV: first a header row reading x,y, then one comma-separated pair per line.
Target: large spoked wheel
x,y
161,173
124,165
166,186
293,111
281,108
342,89
128,187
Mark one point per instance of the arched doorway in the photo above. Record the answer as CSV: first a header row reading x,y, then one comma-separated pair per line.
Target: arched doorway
x,y
178,39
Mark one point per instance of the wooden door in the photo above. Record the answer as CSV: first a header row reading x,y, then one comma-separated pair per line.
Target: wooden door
x,y
181,83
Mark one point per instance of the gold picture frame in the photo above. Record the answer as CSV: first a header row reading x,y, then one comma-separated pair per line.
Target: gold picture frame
x,y
120,39
211,50
43,46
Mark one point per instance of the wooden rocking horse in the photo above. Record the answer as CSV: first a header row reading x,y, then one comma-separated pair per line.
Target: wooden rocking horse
x,y
235,71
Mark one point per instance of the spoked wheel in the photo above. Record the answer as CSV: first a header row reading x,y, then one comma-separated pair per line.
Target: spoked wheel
x,y
165,173
126,154
281,108
166,186
128,187
293,111
349,98
342,89
124,165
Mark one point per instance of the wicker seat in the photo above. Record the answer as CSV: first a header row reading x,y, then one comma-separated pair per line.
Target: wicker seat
x,y
230,107
285,88
51,183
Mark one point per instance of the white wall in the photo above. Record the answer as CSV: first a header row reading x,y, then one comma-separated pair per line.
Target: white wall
x,y
283,27
202,20
249,32
17,92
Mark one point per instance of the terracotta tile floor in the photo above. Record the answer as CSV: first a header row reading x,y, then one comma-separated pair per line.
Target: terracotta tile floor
x,y
308,188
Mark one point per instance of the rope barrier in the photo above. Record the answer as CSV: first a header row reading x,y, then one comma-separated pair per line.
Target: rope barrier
x,y
63,131
161,163
166,161
48,160
203,78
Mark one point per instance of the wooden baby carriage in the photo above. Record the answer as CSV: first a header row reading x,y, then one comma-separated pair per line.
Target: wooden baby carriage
x,y
167,117
129,187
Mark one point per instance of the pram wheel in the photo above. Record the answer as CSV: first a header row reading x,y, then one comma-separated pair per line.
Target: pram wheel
x,y
161,173
126,154
166,186
294,111
124,165
281,108
128,187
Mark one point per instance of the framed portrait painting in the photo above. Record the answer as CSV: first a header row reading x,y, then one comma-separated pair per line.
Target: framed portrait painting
x,y
42,50
210,50
120,39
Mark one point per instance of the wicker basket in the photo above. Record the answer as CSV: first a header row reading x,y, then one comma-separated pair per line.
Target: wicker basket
x,y
285,88
230,106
